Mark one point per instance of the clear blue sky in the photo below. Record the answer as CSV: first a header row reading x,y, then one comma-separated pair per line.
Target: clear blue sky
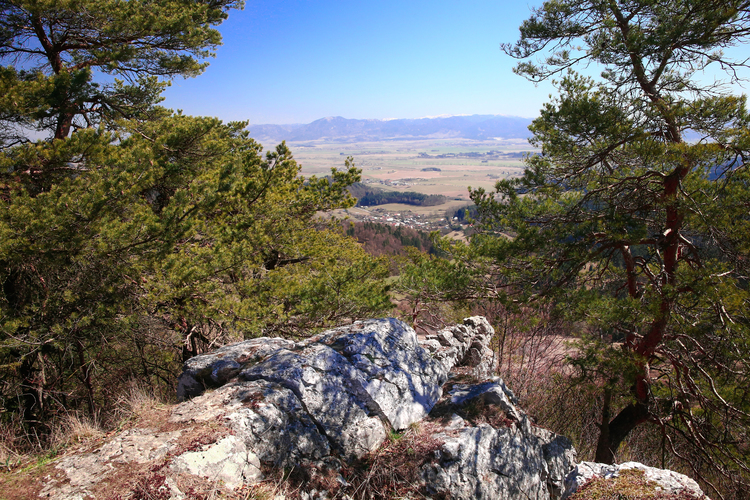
x,y
296,61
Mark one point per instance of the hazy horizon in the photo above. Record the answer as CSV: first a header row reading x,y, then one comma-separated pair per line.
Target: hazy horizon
x,y
394,119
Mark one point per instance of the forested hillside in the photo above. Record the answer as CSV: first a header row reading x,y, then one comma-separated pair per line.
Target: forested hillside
x,y
359,189
374,198
381,239
368,196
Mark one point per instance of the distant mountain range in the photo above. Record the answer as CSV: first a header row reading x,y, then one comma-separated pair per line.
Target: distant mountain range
x,y
478,127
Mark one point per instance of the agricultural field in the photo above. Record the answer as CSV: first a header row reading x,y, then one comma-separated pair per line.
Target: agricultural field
x,y
446,166
400,165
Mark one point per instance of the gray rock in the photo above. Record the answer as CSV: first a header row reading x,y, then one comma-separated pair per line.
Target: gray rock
x,y
668,481
431,345
465,345
328,387
336,393
83,472
273,423
138,446
560,456
318,403
349,384
455,422
493,392
400,378
224,370
228,460
506,463
216,368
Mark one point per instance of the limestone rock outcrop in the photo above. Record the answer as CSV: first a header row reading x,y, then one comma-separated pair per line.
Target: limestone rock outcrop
x,y
334,396
504,463
323,403
345,387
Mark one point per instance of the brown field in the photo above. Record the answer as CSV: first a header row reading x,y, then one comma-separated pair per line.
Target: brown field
x,y
389,162
436,210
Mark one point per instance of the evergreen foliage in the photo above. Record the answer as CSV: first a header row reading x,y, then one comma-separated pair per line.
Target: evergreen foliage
x,y
633,230
435,288
58,45
135,237
462,214
374,198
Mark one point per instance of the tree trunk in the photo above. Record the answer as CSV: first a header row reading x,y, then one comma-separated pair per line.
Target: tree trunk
x,y
603,445
29,392
189,346
613,433
86,378
64,124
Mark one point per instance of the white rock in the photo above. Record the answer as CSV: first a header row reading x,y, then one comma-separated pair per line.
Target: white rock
x,y
228,460
499,464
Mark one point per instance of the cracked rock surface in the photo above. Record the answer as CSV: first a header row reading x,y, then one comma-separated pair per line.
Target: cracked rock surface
x,y
336,394
324,402
341,389
508,461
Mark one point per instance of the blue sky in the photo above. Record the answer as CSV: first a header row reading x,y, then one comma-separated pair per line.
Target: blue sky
x,y
296,61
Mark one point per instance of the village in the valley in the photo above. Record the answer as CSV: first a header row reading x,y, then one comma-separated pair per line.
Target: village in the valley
x,y
406,218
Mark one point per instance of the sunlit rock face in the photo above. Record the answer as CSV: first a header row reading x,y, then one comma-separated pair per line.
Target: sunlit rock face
x,y
321,404
350,383
334,396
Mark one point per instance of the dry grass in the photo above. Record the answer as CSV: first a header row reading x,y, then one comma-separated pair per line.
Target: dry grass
x,y
137,400
75,428
276,484
20,446
393,470
479,412
630,484
141,407
10,454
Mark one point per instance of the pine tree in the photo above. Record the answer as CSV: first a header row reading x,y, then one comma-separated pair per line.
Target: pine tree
x,y
133,237
634,218
59,44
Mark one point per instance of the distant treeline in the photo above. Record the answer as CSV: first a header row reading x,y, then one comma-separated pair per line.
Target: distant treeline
x,y
408,198
381,239
369,196
360,189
